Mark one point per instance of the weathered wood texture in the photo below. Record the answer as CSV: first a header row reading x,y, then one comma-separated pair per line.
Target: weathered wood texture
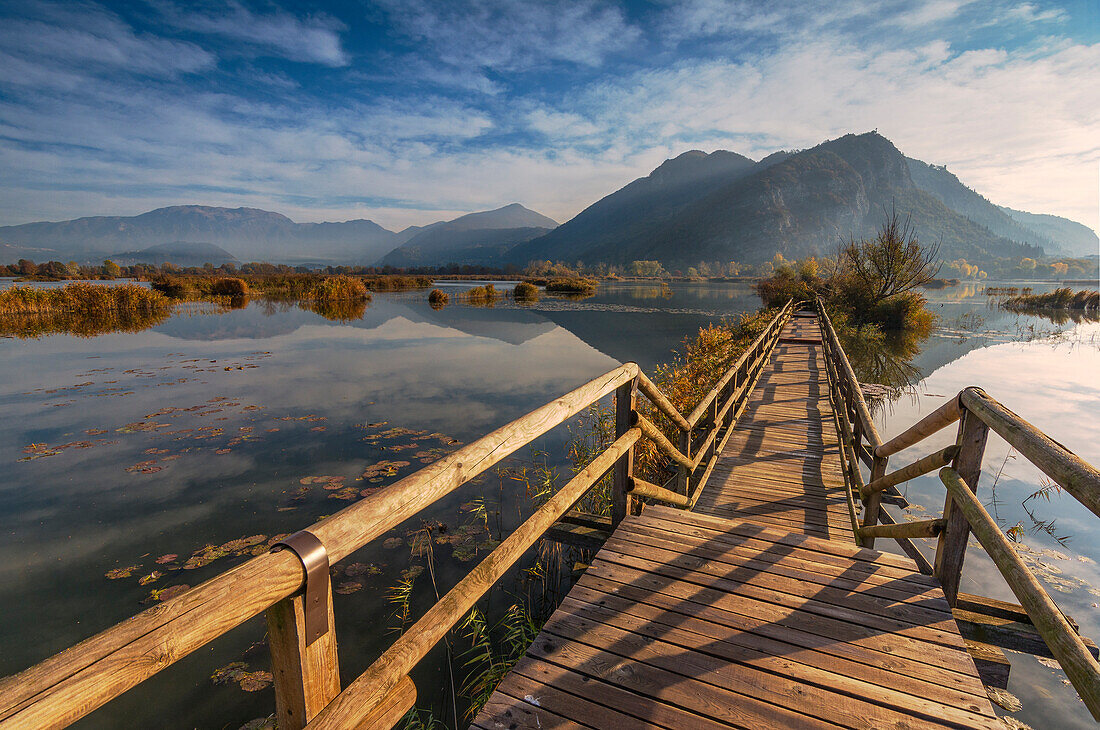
x,y
307,677
781,464
685,620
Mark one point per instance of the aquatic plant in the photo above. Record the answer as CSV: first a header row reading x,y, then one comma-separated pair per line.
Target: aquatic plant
x,y
438,298
1062,298
486,294
571,286
339,289
230,287
525,291
82,309
81,298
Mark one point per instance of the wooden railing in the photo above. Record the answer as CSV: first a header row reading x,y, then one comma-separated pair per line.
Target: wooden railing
x,y
292,585
959,469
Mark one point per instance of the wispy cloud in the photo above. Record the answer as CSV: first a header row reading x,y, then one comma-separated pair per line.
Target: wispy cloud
x,y
420,110
315,38
62,41
507,35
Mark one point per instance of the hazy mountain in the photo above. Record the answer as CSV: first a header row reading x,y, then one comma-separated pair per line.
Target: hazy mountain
x,y
249,234
797,203
1071,237
475,238
9,254
180,253
938,181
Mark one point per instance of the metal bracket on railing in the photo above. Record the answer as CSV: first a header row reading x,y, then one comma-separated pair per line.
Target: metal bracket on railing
x,y
311,551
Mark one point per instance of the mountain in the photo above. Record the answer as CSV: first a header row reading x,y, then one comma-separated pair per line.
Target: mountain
x,y
180,253
608,227
724,207
938,181
475,238
1069,236
250,234
9,254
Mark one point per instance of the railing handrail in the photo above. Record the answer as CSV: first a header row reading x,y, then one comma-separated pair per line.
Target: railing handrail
x,y
775,323
72,683
78,680
867,423
1065,644
963,512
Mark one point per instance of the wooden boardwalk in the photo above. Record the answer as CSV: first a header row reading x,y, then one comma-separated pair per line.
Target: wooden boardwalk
x,y
781,466
757,610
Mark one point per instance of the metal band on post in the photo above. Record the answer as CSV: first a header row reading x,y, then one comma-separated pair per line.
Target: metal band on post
x,y
311,551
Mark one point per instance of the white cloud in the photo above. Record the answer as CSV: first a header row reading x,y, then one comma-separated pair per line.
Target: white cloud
x,y
1017,124
509,35
91,41
1031,13
313,39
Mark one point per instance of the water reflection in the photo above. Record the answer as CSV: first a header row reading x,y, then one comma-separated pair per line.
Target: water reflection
x,y
80,324
312,392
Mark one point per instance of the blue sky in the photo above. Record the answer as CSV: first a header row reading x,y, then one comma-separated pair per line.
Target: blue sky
x,y
408,111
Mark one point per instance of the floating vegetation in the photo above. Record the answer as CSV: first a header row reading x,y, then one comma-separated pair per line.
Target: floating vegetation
x,y
237,672
383,469
150,578
118,573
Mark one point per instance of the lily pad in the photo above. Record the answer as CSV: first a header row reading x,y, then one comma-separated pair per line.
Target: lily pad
x,y
255,681
151,578
356,569
392,542
117,573
349,587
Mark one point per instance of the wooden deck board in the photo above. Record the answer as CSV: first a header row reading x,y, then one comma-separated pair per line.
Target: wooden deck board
x,y
736,627
781,465
756,609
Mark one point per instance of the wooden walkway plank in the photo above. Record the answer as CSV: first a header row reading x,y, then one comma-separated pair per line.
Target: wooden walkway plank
x,y
756,609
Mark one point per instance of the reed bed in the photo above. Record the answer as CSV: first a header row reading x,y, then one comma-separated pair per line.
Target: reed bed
x,y
82,298
525,292
1064,298
438,298
482,294
571,286
338,289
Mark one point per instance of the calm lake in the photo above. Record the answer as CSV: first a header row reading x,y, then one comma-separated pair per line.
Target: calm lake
x,y
137,462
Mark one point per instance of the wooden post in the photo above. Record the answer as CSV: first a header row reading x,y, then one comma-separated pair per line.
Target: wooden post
x,y
622,504
683,474
872,506
306,677
951,547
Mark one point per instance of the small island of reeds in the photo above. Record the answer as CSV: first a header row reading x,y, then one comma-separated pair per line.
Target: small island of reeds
x,y
80,309
1064,298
